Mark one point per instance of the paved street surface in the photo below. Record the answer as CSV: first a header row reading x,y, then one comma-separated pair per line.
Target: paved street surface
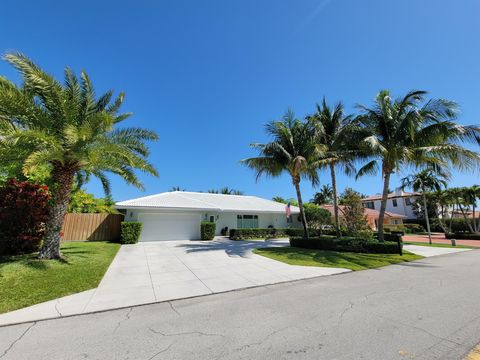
x,y
428,309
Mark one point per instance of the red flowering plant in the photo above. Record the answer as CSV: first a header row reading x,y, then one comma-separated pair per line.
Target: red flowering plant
x,y
23,213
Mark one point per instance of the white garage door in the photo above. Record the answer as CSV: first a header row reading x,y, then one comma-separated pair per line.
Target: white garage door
x,y
158,227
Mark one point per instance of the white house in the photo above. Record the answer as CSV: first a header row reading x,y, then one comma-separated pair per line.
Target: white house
x,y
398,202
177,215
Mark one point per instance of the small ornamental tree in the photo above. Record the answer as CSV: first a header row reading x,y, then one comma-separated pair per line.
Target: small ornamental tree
x,y
316,216
23,213
354,214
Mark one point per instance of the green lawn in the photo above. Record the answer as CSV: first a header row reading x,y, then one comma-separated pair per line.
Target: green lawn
x,y
25,281
348,260
437,245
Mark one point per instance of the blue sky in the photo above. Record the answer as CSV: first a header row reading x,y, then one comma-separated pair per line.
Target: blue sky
x,y
207,75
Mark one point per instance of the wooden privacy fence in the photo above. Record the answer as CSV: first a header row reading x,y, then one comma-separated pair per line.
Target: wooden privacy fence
x,y
91,227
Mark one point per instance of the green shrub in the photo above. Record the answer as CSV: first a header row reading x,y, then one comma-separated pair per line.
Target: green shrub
x,y
346,244
207,230
262,233
414,228
463,236
130,232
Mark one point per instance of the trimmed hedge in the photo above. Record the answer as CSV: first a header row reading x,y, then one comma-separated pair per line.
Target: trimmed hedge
x,y
269,233
347,244
207,230
414,228
463,236
261,233
130,232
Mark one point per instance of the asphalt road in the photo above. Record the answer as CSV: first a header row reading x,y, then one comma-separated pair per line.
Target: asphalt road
x,y
423,310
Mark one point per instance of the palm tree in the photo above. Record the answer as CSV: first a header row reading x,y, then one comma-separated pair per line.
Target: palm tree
x,y
292,150
279,199
228,191
410,133
71,132
423,181
335,133
471,195
324,196
177,188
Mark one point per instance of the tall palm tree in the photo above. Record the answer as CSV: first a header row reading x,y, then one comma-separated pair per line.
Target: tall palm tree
x,y
409,132
324,196
292,150
426,181
335,135
70,131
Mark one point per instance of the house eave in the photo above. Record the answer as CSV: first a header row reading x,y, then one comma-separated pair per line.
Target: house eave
x,y
165,208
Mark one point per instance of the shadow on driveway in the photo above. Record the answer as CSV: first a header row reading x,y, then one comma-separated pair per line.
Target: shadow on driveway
x,y
232,248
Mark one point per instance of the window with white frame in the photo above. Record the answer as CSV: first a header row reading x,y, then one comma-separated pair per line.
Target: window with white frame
x,y
408,201
247,221
394,202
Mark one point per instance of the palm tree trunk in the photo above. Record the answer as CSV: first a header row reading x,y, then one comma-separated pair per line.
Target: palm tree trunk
x,y
465,218
440,221
383,204
451,218
475,229
427,220
296,183
63,180
335,199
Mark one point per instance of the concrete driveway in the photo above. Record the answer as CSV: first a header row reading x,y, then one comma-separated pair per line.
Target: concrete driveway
x,y
151,272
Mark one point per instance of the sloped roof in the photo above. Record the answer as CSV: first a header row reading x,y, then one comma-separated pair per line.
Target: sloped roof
x,y
391,195
206,201
369,212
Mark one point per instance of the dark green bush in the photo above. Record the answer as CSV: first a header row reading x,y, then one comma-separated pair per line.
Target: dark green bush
x,y
414,228
130,232
207,230
346,244
262,233
463,236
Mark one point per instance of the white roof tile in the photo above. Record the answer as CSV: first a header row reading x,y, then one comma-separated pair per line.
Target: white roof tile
x,y
205,201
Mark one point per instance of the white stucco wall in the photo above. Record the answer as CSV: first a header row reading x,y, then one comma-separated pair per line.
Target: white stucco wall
x,y
225,219
401,207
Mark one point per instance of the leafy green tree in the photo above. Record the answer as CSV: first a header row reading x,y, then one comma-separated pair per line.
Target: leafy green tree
x,y
409,132
316,216
70,131
354,214
292,150
83,202
426,181
335,136
347,194
324,196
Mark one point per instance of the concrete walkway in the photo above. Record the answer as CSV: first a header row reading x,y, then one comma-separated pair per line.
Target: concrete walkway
x,y
159,271
168,270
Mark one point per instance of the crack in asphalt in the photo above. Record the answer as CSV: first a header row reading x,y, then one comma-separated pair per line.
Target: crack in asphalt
x,y
273,333
185,333
5,352
162,351
173,308
349,307
127,317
